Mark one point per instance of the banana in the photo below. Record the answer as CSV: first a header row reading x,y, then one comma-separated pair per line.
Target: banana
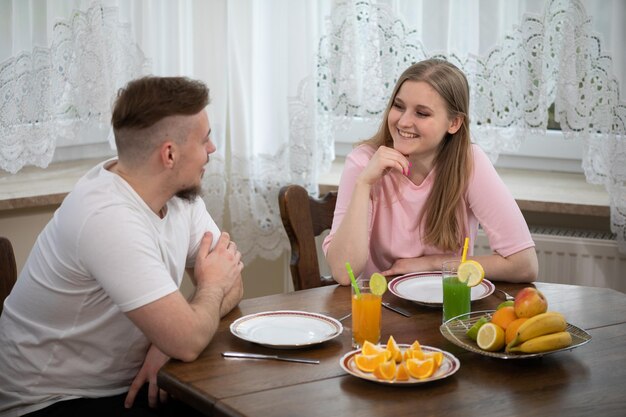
x,y
544,343
539,325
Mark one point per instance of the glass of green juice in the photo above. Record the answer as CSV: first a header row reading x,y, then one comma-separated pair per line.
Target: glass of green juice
x,y
456,294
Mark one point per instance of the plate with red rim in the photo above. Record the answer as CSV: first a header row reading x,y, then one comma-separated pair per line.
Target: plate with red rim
x,y
286,329
425,288
449,366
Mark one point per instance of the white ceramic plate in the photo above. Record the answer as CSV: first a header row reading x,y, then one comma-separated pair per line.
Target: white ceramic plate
x,y
448,367
286,329
425,288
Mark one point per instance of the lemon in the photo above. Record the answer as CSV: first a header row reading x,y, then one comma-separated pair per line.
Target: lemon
x,y
472,333
378,284
471,273
490,337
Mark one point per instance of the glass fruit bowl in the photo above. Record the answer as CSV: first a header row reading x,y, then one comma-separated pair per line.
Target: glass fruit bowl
x,y
456,328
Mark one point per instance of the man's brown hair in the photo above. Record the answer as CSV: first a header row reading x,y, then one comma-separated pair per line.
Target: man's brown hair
x,y
143,108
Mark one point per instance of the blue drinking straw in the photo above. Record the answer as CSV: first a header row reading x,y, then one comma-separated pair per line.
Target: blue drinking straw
x,y
353,280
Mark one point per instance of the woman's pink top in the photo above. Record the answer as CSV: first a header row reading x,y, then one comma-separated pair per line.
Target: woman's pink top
x,y
396,205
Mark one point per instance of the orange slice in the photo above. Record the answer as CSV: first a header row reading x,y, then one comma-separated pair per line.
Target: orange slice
x,y
421,369
386,370
371,349
437,357
367,363
402,374
394,350
414,351
416,346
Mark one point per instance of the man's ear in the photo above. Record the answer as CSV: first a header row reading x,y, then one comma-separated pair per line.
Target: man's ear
x,y
168,154
455,125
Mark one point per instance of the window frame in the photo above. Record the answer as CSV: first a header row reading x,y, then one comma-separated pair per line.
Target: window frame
x,y
542,151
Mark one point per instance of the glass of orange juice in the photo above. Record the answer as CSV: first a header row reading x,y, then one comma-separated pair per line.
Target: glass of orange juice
x,y
366,314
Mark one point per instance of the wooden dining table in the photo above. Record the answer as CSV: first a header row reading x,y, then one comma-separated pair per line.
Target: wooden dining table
x,y
587,380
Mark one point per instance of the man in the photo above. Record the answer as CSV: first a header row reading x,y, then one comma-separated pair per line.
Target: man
x,y
97,309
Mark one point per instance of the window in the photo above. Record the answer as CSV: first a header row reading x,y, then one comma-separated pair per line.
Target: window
x,y
540,151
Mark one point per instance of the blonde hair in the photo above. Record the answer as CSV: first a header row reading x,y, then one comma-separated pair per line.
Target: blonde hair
x,y
444,209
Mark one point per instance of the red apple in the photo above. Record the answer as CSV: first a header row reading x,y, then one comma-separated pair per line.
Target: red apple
x,y
530,302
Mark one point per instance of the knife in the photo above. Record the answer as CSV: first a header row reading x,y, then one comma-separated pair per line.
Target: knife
x,y
398,310
261,356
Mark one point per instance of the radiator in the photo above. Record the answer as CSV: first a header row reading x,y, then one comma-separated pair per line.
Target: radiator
x,y
574,257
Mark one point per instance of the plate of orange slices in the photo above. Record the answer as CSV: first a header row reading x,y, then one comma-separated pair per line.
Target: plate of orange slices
x,y
399,364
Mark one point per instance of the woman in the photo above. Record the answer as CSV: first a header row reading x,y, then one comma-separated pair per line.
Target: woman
x,y
410,195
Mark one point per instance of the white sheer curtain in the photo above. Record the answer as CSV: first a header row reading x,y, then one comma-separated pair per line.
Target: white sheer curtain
x,y
520,57
59,62
251,54
286,74
272,47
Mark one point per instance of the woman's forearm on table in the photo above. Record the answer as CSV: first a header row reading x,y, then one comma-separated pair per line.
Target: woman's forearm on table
x,y
518,267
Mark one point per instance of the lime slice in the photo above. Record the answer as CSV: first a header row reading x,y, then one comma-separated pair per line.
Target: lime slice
x,y
490,337
472,333
471,273
378,284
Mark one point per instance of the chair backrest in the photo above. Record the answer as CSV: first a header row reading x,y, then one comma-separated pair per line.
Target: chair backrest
x,y
8,270
305,217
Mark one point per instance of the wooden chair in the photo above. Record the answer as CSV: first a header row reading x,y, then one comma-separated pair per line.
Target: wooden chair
x,y
304,218
8,270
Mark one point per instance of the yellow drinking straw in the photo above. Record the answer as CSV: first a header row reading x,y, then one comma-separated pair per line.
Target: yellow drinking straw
x,y
465,249
353,280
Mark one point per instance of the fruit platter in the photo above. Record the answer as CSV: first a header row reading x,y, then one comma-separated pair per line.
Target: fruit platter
x,y
519,328
455,330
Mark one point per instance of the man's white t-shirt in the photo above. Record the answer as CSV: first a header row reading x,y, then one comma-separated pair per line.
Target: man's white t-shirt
x,y
63,331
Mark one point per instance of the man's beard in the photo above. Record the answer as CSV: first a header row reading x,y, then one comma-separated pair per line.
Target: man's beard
x,y
189,194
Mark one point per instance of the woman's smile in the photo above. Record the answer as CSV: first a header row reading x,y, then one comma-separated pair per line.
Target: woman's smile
x,y
406,134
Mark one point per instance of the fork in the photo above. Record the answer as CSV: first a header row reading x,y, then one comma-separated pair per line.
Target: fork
x,y
342,318
507,296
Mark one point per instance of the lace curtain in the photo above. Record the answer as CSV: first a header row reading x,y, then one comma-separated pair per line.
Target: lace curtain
x,y
251,54
552,57
48,93
286,74
272,47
